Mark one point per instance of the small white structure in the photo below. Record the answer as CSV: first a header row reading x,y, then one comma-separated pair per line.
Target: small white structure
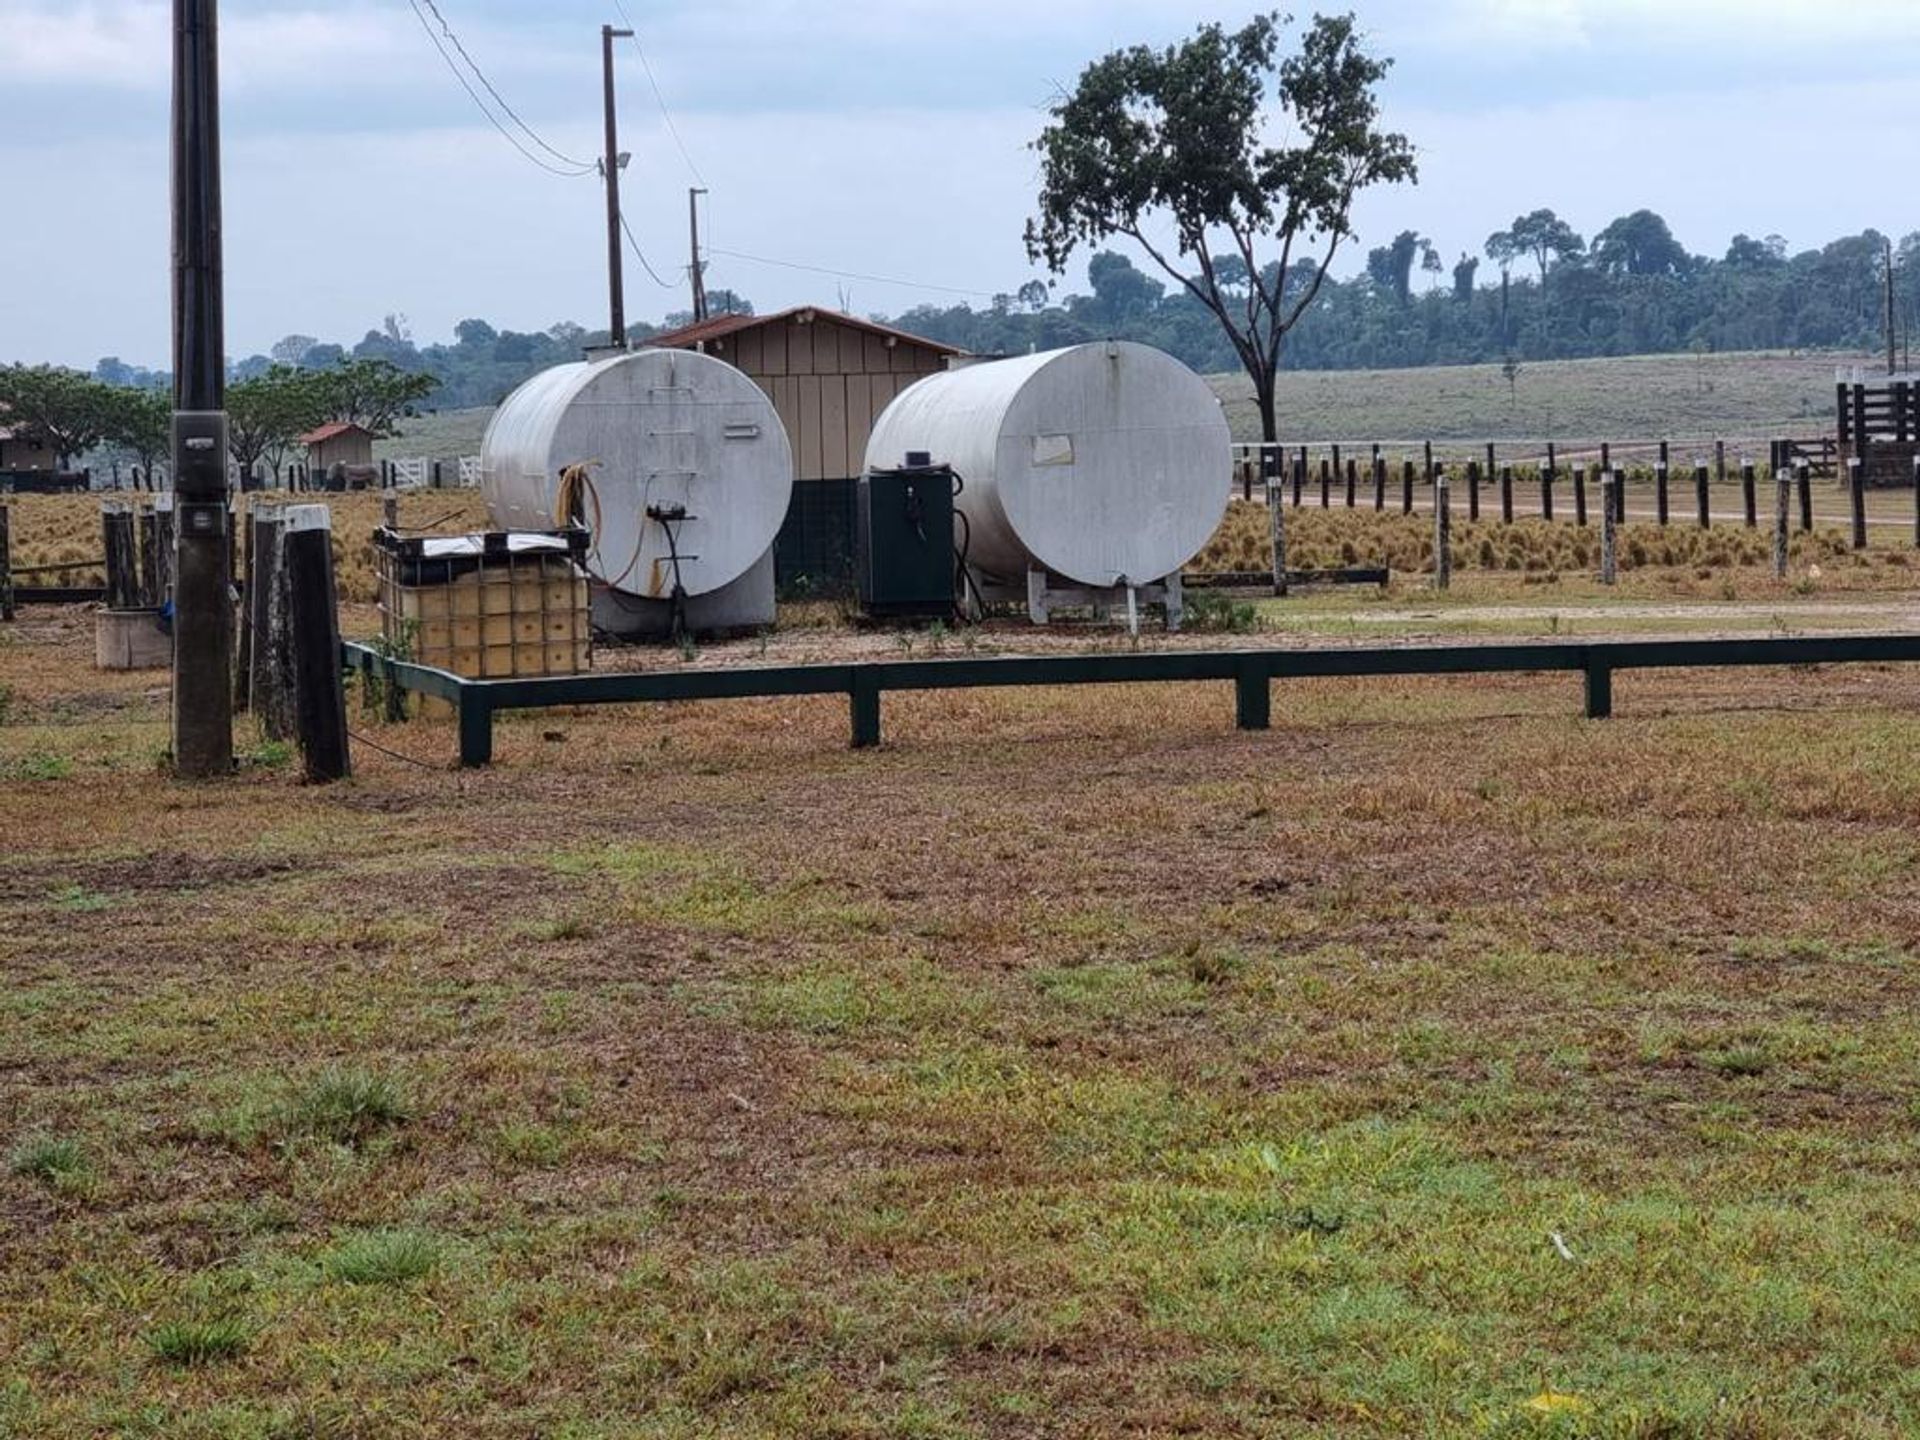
x,y
688,476
1090,475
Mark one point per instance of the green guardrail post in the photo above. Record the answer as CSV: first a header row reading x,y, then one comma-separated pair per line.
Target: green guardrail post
x,y
1253,694
1599,688
864,695
475,710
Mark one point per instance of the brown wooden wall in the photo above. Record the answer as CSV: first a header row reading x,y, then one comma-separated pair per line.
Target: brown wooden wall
x,y
829,383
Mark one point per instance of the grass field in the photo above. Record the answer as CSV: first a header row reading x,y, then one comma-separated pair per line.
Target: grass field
x,y
1641,397
1436,1063
1750,396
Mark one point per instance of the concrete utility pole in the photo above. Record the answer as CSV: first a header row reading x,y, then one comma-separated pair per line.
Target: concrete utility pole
x,y
695,269
1892,369
610,167
202,609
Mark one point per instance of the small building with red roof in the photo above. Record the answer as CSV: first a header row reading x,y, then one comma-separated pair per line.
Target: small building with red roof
x,y
340,442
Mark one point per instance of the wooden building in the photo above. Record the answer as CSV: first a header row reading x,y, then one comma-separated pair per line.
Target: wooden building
x,y
338,443
829,375
22,448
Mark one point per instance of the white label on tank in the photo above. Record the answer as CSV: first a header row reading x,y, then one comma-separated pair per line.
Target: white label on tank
x,y
1053,450
742,430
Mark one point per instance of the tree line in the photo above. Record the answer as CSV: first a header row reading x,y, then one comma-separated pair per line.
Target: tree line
x,y
268,410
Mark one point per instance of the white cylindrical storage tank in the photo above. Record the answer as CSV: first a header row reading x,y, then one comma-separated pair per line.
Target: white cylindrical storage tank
x,y
659,429
1107,463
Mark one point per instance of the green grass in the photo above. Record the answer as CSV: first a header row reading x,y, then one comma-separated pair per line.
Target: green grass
x,y
386,1257
1437,1063
58,1162
189,1344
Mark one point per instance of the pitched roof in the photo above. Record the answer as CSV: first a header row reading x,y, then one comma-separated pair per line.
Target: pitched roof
x,y
714,327
332,430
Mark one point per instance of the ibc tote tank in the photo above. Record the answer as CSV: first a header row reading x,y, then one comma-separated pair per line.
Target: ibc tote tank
x,y
667,428
1107,463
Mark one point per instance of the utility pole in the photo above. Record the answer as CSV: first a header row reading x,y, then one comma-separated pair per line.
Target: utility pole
x,y
1891,367
202,613
610,167
694,270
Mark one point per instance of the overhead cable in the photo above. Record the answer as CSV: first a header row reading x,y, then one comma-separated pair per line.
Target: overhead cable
x,y
572,168
665,113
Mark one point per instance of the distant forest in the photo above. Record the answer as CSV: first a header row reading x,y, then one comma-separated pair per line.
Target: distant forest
x,y
1540,291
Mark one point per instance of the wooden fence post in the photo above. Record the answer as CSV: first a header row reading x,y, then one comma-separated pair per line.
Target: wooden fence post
x,y
1783,503
164,521
149,547
1580,494
1406,487
1353,479
1506,494
1379,481
1609,532
1546,491
1703,495
1660,490
1299,476
1473,490
1277,520
390,511
1749,492
1803,478
1720,462
1442,531
266,619
6,558
1857,496
116,534
1326,484
319,696
1427,471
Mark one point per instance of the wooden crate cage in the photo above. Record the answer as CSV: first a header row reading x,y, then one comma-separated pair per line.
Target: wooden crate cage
x,y
487,606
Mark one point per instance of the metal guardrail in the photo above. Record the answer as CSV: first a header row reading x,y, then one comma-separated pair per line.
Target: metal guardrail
x,y
1251,671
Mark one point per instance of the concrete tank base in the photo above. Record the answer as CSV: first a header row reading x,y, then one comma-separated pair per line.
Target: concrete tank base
x,y
130,640
744,604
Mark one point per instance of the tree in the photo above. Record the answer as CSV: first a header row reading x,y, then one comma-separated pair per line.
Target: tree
x,y
1391,266
1463,272
475,334
1510,369
1120,291
1430,262
1033,295
292,349
74,412
1542,235
1179,137
267,413
141,423
372,393
1639,244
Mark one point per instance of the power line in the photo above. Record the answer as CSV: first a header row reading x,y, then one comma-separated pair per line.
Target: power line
x,y
577,168
665,113
848,274
645,264
581,165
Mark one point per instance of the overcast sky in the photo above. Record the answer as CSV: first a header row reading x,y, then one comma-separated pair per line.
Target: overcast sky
x,y
886,138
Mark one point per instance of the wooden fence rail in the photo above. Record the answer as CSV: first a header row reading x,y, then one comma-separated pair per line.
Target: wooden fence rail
x,y
1252,673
